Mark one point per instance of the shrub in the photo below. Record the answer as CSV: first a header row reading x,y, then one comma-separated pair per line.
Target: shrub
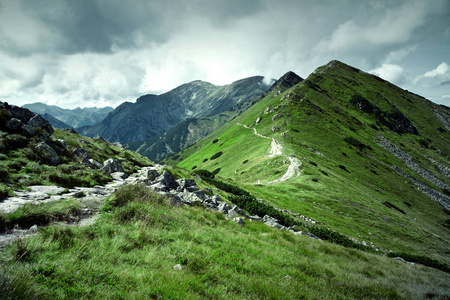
x,y
215,141
204,174
217,155
354,142
390,205
216,171
337,238
421,259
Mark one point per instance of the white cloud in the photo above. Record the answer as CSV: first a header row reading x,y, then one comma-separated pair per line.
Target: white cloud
x,y
390,72
440,70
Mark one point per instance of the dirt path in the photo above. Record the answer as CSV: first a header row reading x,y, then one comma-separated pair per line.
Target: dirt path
x,y
277,149
91,203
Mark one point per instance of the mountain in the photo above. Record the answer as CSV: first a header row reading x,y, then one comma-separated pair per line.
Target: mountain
x,y
55,122
152,115
75,118
192,130
348,150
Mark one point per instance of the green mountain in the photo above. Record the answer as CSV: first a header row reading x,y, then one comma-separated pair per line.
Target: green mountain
x,y
75,118
348,150
152,115
192,130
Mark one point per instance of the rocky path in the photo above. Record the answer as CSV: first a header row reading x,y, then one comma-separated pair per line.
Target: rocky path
x,y
276,149
90,198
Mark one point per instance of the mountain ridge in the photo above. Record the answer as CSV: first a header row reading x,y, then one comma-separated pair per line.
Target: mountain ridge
x,y
152,115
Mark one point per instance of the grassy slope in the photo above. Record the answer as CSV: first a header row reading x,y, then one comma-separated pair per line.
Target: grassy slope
x,y
349,202
131,250
20,167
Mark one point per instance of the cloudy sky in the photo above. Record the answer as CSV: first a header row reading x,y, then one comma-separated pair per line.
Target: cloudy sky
x,y
98,53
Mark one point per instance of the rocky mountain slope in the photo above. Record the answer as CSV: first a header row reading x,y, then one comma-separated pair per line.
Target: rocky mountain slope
x,y
192,130
152,115
347,149
75,118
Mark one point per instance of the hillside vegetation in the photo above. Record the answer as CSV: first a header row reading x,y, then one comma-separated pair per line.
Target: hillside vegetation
x,y
332,123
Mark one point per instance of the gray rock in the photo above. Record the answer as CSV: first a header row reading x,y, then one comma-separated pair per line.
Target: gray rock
x,y
178,267
47,154
167,179
224,207
239,221
201,194
71,130
83,141
38,121
14,124
34,228
98,137
275,128
95,164
119,175
81,153
189,198
272,222
29,130
188,184
62,143
152,174
22,114
112,165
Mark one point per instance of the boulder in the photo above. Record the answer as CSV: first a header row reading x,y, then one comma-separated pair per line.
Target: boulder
x,y
239,221
13,124
20,113
167,180
47,154
95,164
187,184
119,175
28,130
71,130
98,137
189,198
112,165
38,121
275,128
83,142
152,174
82,154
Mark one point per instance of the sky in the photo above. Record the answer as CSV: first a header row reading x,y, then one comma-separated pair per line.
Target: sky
x,y
104,52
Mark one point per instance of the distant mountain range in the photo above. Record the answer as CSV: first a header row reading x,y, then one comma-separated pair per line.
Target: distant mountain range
x,y
153,115
74,118
192,130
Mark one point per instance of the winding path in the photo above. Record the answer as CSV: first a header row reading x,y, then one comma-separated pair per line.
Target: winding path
x,y
276,149
91,200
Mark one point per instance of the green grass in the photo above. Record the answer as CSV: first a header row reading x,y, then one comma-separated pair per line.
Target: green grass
x,y
20,167
31,214
348,188
130,253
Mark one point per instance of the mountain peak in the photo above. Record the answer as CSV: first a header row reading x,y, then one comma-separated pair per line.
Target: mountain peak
x,y
285,82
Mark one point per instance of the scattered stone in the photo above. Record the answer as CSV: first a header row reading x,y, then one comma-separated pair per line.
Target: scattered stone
x,y
38,121
34,228
112,165
83,141
287,277
47,154
71,130
119,175
152,174
95,164
167,180
275,128
13,124
239,221
178,267
258,120
98,137
81,153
